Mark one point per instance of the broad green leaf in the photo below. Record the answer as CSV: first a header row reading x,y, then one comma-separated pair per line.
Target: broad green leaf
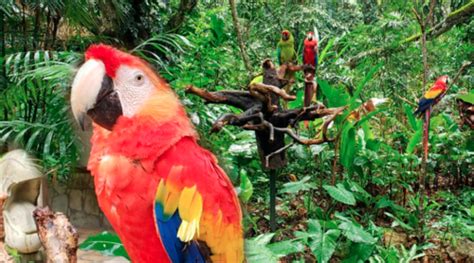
x,y
415,138
411,118
256,249
359,252
324,246
469,98
348,145
399,222
284,248
322,56
294,187
336,96
298,102
106,243
356,233
246,187
340,194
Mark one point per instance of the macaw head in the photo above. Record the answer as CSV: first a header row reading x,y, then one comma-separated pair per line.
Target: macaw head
x,y
310,36
442,81
285,35
112,83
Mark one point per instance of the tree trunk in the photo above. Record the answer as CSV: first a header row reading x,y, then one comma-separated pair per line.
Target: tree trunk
x,y
235,20
2,43
54,32
37,27
177,19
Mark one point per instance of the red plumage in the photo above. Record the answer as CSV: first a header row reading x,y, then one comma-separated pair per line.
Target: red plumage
x,y
142,150
309,53
111,57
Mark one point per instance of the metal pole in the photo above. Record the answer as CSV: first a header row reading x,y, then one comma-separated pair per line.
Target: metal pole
x,y
273,175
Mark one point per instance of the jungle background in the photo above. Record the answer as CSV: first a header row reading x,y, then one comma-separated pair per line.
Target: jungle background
x,y
353,200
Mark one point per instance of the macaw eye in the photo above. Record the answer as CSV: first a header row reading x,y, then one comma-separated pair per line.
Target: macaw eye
x,y
139,79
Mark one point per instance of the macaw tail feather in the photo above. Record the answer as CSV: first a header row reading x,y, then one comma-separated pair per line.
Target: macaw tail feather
x,y
426,130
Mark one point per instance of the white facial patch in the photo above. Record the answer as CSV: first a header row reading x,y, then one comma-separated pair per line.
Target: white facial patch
x,y
86,86
133,88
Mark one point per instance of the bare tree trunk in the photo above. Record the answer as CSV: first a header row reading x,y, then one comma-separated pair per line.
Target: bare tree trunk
x,y
54,33
46,32
235,20
177,19
423,22
25,39
2,43
37,27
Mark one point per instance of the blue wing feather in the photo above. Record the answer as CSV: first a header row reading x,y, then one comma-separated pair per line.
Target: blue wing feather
x,y
168,229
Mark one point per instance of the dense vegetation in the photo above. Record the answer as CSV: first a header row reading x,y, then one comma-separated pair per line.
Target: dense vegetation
x,y
355,199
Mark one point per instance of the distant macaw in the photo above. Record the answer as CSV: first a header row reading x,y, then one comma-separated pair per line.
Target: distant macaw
x,y
286,48
310,51
433,95
429,99
310,57
164,195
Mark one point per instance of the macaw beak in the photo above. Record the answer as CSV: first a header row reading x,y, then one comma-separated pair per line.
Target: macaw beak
x,y
93,94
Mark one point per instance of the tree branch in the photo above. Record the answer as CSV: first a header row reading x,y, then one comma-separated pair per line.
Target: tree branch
x,y
459,16
177,19
235,20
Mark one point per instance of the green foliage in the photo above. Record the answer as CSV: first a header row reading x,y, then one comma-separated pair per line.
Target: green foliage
x,y
340,194
259,249
106,243
469,98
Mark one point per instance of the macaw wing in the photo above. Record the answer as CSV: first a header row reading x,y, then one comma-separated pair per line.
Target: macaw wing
x,y
433,93
196,212
279,54
429,99
178,227
316,61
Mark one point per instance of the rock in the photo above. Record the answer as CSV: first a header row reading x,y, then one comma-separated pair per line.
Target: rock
x,y
391,237
80,219
75,199
60,203
90,203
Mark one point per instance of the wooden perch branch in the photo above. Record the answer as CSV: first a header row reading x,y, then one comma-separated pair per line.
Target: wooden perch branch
x,y
58,236
270,126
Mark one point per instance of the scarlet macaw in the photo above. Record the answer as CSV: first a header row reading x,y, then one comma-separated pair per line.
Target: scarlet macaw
x,y
310,57
431,98
433,95
310,51
165,196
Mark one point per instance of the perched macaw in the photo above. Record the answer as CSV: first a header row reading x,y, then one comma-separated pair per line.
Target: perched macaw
x,y
310,50
310,57
431,98
433,95
165,196
286,48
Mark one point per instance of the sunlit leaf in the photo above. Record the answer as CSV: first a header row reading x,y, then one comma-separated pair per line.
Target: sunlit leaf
x,y
106,243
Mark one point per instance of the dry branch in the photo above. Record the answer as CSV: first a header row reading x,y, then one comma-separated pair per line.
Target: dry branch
x,y
58,236
270,126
